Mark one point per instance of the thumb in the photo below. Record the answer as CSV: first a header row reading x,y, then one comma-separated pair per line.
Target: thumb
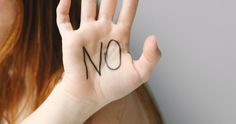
x,y
151,54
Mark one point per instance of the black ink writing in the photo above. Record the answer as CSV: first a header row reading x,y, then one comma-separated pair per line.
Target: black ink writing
x,y
115,68
100,61
98,69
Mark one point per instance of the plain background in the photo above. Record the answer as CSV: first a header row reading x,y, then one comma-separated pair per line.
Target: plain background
x,y
195,81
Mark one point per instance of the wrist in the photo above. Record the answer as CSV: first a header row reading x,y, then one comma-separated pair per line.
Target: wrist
x,y
79,88
76,108
63,108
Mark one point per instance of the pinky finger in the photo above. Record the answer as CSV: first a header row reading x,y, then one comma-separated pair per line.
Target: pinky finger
x,y
63,18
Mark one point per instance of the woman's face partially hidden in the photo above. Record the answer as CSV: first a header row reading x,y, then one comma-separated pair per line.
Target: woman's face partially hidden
x,y
8,11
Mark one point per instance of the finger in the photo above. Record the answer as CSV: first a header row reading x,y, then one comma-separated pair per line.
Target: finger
x,y
88,10
127,13
107,9
63,18
151,54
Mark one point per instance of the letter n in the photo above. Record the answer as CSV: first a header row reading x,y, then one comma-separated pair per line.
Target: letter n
x,y
98,69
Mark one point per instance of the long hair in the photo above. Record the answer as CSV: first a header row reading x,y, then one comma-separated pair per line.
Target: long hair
x,y
31,57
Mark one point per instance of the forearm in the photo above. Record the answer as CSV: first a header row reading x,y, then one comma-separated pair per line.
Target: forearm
x,y
62,108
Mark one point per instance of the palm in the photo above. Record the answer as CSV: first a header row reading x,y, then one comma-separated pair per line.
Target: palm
x,y
96,58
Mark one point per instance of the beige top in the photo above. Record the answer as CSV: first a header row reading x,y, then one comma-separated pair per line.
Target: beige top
x,y
124,111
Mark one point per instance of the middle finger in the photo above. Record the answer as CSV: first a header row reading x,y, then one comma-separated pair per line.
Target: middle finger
x,y
107,9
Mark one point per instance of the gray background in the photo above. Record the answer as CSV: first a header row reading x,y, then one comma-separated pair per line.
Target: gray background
x,y
195,82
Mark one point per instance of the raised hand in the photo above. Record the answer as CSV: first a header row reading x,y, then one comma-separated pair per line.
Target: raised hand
x,y
96,56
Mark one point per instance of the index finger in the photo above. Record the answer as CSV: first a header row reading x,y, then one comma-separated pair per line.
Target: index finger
x,y
127,13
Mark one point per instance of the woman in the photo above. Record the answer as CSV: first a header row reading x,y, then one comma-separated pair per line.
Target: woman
x,y
39,85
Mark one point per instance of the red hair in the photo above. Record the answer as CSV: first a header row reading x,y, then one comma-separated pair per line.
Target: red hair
x,y
31,57
31,60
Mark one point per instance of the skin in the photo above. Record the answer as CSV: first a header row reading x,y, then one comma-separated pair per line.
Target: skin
x,y
8,15
76,98
91,33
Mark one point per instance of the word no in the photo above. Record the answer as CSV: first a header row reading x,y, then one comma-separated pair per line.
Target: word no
x,y
98,69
